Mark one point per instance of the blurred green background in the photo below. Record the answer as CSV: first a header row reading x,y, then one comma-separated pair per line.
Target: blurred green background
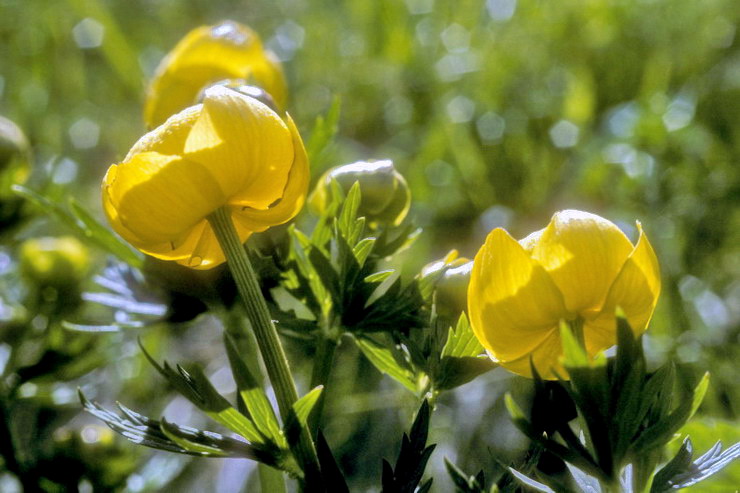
x,y
498,112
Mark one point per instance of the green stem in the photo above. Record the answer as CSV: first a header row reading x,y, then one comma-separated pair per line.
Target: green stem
x,y
322,365
258,314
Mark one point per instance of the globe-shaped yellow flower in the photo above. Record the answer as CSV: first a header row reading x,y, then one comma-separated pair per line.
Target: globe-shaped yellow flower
x,y
232,151
581,268
208,54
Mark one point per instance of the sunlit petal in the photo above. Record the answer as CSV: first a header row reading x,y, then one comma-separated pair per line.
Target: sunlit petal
x,y
512,302
583,254
246,146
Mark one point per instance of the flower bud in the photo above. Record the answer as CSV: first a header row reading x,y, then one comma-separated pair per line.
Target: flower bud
x,y
207,54
386,196
451,287
55,262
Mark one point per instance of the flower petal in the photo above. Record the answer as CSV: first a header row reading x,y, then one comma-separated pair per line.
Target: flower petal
x,y
206,55
583,253
293,196
168,138
546,358
637,287
512,302
246,146
158,198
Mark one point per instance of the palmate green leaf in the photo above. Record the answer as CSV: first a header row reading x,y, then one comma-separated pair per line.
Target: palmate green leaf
x,y
578,457
85,226
662,431
460,361
681,472
194,386
253,396
412,458
170,437
384,359
461,341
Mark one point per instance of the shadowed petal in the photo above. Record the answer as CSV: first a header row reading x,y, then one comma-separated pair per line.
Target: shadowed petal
x,y
546,358
159,198
512,302
293,197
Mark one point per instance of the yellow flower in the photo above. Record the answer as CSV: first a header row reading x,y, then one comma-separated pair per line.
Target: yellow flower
x,y
208,54
233,151
581,267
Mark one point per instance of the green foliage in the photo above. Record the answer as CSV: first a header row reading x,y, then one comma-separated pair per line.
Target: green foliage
x,y
627,414
405,476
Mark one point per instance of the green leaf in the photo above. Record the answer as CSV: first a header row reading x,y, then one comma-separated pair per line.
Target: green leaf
x,y
194,386
461,341
105,238
150,433
362,250
298,416
348,216
254,397
330,472
531,483
380,276
85,226
464,483
661,432
323,133
383,359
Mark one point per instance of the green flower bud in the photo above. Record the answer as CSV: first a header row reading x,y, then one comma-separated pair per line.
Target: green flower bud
x,y
451,286
386,197
56,262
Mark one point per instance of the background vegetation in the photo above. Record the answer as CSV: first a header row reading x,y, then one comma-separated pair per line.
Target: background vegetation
x,y
498,113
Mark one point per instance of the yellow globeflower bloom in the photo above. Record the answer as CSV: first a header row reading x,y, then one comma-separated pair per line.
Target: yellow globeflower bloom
x,y
208,54
231,150
580,269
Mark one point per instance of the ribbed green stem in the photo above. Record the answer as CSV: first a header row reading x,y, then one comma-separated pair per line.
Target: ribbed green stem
x,y
258,314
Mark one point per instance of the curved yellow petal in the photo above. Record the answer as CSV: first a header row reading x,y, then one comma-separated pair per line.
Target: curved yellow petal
x,y
546,358
512,302
170,137
583,253
293,196
637,286
206,55
246,146
160,198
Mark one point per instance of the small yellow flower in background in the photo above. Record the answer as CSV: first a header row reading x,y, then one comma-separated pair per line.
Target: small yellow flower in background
x,y
208,54
14,155
581,267
385,194
59,262
233,151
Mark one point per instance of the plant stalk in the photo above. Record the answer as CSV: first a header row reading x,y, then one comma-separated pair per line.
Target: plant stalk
x,y
271,349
